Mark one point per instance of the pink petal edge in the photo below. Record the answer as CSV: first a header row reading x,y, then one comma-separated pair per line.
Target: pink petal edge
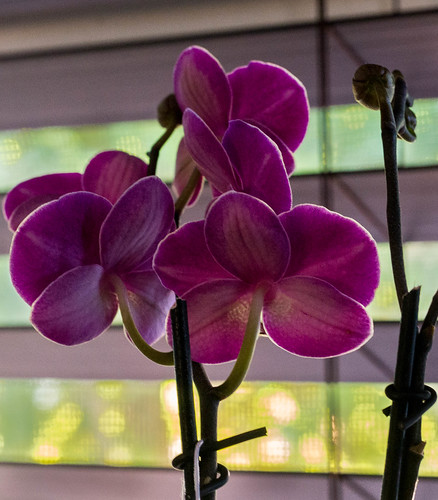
x,y
76,307
309,317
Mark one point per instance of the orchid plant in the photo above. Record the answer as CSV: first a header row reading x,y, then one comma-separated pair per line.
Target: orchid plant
x,y
87,245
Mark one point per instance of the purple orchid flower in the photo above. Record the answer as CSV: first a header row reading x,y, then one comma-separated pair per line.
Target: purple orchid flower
x,y
109,174
246,160
262,94
67,254
315,268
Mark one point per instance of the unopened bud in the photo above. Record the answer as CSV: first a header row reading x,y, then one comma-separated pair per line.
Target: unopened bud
x,y
407,130
373,84
169,113
411,120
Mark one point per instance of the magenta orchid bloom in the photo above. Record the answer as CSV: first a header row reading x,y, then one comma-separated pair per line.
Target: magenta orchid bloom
x,y
316,269
109,174
262,94
66,255
246,160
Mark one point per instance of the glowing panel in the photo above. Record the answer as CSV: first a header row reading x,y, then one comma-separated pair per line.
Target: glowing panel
x,y
354,136
135,424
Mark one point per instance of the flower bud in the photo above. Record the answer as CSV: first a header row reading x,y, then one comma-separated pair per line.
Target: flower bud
x,y
407,130
169,113
411,120
373,84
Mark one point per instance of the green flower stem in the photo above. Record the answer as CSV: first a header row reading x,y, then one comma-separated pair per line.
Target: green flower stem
x,y
210,397
186,193
238,373
159,357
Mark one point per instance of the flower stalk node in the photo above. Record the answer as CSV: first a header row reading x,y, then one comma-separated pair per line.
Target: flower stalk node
x,y
423,400
208,446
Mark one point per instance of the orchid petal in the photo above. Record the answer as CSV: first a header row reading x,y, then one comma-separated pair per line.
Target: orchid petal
x,y
76,307
149,303
270,95
55,238
217,314
111,173
183,261
309,317
137,222
185,167
208,153
286,152
201,84
29,195
334,248
259,163
246,237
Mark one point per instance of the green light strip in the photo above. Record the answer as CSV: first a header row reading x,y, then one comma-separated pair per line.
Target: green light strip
x,y
420,258
135,424
354,134
32,152
420,262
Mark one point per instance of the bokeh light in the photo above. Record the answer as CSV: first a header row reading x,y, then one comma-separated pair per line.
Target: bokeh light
x,y
130,423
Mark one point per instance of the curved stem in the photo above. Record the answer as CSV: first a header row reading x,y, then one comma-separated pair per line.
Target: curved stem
x,y
393,215
159,357
155,149
237,375
210,397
